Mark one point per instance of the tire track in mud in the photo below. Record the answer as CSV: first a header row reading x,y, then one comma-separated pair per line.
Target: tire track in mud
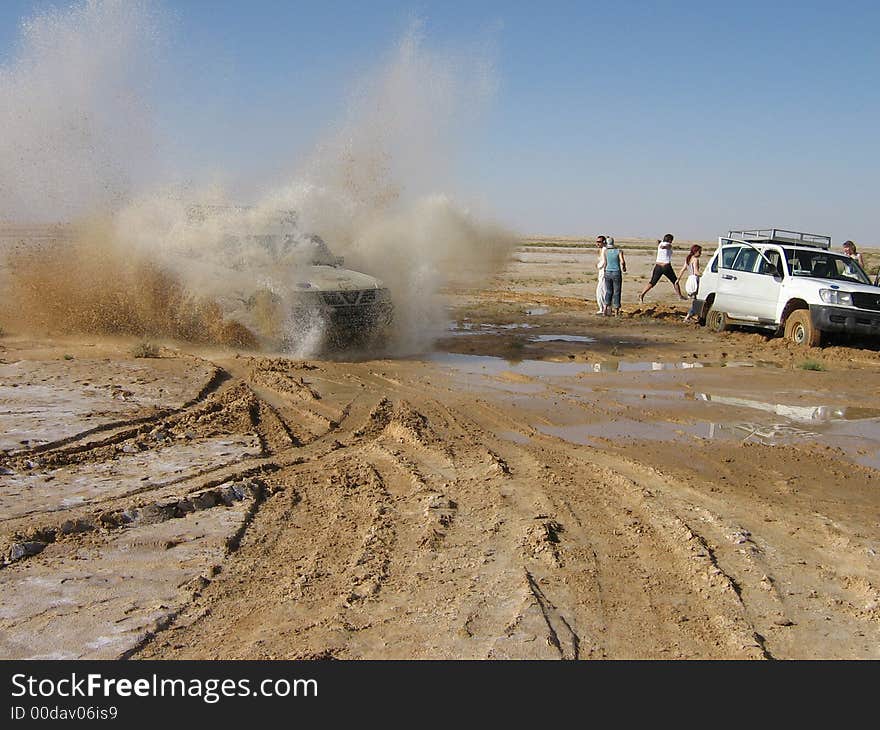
x,y
802,604
453,488
603,548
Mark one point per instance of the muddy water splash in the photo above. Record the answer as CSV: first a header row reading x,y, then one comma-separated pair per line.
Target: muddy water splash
x,y
376,188
379,186
88,284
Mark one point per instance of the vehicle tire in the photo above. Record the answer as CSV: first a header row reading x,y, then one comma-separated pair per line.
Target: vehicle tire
x,y
800,330
716,320
704,312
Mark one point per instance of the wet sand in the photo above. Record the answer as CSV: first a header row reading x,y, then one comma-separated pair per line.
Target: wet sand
x,y
543,483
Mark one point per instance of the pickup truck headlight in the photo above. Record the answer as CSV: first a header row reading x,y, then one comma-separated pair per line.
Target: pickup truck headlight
x,y
834,296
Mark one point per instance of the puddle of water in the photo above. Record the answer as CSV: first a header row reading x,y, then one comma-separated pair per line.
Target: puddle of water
x,y
768,434
561,338
588,433
514,436
489,365
536,311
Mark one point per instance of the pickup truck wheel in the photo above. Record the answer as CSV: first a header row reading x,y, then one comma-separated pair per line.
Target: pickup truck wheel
x,y
800,330
716,320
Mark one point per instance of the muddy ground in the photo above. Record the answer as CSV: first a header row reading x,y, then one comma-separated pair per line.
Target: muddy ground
x,y
544,483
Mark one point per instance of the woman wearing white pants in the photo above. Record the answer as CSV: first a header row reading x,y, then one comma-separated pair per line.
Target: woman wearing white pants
x,y
600,286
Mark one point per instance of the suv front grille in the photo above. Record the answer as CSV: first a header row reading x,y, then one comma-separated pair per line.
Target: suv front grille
x,y
863,300
353,298
334,299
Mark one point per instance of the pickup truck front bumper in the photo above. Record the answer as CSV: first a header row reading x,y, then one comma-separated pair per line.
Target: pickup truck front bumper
x,y
845,319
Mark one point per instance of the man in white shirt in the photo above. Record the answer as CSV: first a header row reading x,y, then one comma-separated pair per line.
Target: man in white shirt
x,y
663,267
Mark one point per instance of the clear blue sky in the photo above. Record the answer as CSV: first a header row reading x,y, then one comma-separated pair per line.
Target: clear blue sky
x,y
632,118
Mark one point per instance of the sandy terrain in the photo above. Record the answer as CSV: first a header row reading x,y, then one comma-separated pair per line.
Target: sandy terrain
x,y
545,483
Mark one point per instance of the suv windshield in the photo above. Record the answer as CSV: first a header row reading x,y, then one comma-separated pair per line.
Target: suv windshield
x,y
824,265
280,248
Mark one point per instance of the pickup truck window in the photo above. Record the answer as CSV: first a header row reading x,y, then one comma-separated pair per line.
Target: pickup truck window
x,y
825,265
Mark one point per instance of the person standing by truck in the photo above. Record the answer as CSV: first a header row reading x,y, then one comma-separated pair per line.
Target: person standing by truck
x,y
849,248
692,283
663,267
613,262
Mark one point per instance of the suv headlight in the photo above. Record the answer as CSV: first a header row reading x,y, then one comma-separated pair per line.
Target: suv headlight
x,y
834,296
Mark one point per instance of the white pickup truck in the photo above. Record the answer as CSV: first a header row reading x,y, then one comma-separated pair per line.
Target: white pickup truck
x,y
789,283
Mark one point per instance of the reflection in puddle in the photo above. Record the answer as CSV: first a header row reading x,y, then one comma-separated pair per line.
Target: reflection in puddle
x,y
471,328
743,364
490,365
811,414
561,338
765,434
624,366
589,433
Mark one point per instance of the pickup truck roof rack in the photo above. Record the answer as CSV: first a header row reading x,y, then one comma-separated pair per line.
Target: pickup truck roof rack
x,y
778,235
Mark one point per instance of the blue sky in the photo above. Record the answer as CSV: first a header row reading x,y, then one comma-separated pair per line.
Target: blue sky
x,y
632,118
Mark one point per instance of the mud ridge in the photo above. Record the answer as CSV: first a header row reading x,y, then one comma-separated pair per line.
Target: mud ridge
x,y
20,546
218,377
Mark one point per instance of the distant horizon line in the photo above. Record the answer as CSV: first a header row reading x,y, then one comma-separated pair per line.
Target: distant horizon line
x,y
649,239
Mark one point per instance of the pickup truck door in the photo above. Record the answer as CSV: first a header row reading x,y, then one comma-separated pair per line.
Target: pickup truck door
x,y
748,286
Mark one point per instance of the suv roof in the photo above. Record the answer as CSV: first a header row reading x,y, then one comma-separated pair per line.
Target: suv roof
x,y
779,235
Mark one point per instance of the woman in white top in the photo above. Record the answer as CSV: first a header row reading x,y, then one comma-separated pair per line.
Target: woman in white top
x,y
849,248
692,285
600,286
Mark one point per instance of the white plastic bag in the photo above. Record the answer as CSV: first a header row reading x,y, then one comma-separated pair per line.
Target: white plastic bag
x,y
692,285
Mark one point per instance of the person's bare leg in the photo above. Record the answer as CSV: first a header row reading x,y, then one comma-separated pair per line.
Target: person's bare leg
x,y
678,291
645,291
